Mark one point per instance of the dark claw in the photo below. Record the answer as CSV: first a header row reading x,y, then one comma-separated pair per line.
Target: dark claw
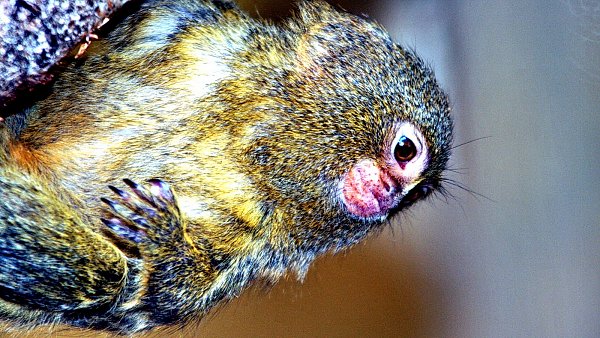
x,y
117,209
127,213
120,192
108,202
121,230
130,183
162,192
140,191
148,215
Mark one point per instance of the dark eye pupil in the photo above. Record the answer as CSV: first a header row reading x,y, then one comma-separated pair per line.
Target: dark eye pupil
x,y
405,150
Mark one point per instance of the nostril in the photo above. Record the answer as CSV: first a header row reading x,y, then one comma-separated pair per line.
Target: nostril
x,y
386,183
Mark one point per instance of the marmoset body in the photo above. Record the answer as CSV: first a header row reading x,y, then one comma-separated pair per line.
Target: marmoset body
x,y
196,149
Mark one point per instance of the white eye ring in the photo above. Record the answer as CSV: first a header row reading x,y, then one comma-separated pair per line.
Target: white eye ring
x,y
412,168
409,131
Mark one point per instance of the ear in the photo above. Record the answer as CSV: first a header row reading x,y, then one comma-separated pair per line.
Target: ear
x,y
316,11
319,27
327,33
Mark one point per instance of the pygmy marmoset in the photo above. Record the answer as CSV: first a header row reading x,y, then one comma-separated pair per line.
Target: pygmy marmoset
x,y
236,149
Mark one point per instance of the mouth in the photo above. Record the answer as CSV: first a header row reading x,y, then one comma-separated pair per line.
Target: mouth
x,y
415,194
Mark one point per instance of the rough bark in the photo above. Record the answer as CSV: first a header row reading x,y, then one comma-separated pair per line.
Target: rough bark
x,y
36,35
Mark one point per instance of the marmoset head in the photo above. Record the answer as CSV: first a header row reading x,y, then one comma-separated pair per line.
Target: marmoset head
x,y
355,128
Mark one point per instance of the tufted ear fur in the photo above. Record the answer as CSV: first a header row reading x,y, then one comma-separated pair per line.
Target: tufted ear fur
x,y
327,34
311,12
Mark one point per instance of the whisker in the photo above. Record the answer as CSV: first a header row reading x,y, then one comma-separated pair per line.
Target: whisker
x,y
460,171
460,168
471,141
465,188
445,193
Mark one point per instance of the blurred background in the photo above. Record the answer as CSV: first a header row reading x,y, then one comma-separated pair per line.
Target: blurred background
x,y
521,261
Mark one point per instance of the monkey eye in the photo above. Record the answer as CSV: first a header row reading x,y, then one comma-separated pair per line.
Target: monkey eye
x,y
405,150
416,194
